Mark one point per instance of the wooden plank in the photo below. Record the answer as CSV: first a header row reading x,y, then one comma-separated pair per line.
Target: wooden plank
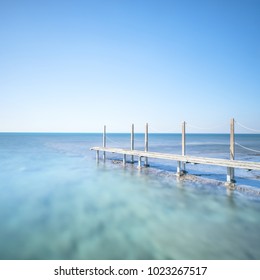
x,y
187,159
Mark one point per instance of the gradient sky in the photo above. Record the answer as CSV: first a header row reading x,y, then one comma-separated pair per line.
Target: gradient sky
x,y
76,65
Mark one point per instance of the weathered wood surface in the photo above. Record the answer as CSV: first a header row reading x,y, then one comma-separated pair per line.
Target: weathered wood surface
x,y
184,158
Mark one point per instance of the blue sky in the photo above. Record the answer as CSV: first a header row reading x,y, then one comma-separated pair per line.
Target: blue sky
x,y
76,65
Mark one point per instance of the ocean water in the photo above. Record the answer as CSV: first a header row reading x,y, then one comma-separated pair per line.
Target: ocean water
x,y
56,202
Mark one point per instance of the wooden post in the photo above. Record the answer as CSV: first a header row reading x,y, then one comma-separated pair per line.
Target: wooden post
x,y
140,162
132,142
178,169
104,142
183,144
146,144
229,175
124,159
232,139
230,170
232,146
97,156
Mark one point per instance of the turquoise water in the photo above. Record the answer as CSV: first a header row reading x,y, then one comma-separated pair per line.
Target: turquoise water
x,y
57,203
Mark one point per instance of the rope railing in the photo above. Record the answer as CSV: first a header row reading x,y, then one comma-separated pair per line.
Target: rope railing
x,y
151,128
138,140
113,141
159,131
203,128
210,143
248,128
246,148
124,142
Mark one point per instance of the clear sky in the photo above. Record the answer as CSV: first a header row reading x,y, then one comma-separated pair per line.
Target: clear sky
x,y
76,65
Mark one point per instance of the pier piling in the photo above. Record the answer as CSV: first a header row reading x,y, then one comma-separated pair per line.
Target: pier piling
x,y
104,142
132,142
230,170
146,144
183,145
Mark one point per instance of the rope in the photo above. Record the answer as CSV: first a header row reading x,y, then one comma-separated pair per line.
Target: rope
x,y
248,128
203,128
209,143
137,140
122,143
159,131
113,141
249,149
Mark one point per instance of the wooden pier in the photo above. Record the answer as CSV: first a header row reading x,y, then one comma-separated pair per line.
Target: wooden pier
x,y
182,159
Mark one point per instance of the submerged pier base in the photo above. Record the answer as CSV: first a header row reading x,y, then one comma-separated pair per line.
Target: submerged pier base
x,y
97,156
140,162
230,183
145,162
180,169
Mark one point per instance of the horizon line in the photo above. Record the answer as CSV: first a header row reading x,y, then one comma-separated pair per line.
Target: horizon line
x,y
100,132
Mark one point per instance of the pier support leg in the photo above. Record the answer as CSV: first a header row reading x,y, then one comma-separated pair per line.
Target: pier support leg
x,y
230,170
179,172
124,159
230,178
140,162
183,168
146,164
146,145
132,142
97,156
104,141
183,145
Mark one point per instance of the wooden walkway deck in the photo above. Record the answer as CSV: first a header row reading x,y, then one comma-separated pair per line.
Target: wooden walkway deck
x,y
183,159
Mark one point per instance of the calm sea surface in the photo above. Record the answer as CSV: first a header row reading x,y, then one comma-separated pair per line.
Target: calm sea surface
x,y
57,203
